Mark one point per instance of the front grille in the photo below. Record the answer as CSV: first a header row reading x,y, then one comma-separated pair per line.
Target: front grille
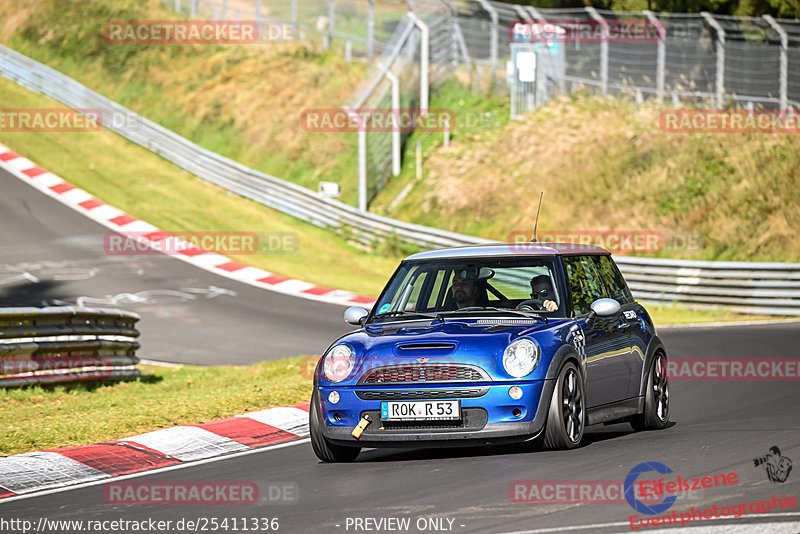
x,y
413,373
390,394
471,419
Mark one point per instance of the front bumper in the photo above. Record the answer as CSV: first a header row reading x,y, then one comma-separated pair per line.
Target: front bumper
x,y
486,419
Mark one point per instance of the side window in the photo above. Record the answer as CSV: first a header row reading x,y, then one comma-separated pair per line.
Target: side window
x,y
585,284
613,279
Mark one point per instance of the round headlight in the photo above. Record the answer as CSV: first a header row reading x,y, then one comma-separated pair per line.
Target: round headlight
x,y
338,363
521,357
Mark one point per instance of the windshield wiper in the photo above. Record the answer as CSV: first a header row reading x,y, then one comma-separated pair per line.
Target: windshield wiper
x,y
407,312
505,310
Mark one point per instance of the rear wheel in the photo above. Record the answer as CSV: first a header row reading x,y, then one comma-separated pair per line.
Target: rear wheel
x,y
566,417
656,397
324,449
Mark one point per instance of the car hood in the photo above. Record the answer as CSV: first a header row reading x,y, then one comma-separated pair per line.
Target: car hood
x,y
477,342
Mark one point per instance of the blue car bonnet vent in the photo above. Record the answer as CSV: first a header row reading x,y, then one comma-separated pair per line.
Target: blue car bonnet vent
x,y
425,349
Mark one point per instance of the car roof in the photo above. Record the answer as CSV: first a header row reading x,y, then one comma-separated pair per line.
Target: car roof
x,y
508,249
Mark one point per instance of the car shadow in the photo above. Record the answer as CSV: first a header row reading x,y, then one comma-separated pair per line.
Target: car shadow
x,y
31,294
594,434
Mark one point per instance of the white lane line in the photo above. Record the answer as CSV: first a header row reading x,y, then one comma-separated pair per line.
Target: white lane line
x,y
156,471
592,526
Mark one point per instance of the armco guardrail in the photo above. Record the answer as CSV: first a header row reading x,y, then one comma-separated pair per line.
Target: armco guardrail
x,y
770,288
757,288
66,344
271,191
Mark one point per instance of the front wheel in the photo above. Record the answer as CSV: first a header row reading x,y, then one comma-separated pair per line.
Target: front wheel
x,y
656,397
566,417
324,449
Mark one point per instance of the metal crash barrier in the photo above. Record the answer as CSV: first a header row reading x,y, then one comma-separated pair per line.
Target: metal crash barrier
x,y
66,344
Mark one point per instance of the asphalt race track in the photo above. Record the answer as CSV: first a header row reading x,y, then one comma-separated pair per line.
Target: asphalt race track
x,y
718,427
51,254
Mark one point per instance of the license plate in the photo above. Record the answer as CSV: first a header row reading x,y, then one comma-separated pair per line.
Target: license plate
x,y
420,410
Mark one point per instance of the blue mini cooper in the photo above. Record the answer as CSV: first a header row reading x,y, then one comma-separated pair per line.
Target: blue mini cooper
x,y
491,344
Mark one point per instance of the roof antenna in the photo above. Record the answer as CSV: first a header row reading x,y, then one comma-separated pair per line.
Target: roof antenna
x,y
537,218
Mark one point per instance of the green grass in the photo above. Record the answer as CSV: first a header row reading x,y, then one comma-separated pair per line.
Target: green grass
x,y
36,417
605,164
241,101
139,182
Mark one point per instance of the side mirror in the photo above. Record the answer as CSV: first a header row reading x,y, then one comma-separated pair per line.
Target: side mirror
x,y
355,315
602,308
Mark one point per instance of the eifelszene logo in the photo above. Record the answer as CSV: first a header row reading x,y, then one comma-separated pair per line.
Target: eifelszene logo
x,y
630,496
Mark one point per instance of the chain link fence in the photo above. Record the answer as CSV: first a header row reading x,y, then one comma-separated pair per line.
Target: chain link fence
x,y
699,59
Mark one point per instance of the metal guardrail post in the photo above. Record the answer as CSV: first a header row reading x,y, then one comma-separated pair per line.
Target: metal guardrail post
x,y
224,15
371,31
720,57
362,168
331,19
294,18
396,114
193,8
603,50
661,57
177,6
784,62
424,52
486,6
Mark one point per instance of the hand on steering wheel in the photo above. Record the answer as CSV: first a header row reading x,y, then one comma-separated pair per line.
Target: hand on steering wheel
x,y
537,305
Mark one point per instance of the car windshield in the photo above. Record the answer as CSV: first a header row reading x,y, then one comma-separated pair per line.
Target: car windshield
x,y
447,287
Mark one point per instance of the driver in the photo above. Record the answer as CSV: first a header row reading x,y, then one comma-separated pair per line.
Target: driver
x,y
464,291
542,290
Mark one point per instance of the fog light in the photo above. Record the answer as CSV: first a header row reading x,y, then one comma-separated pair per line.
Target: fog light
x,y
516,412
333,398
336,417
515,392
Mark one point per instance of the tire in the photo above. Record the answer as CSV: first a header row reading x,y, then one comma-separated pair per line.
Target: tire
x,y
324,449
656,397
566,416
